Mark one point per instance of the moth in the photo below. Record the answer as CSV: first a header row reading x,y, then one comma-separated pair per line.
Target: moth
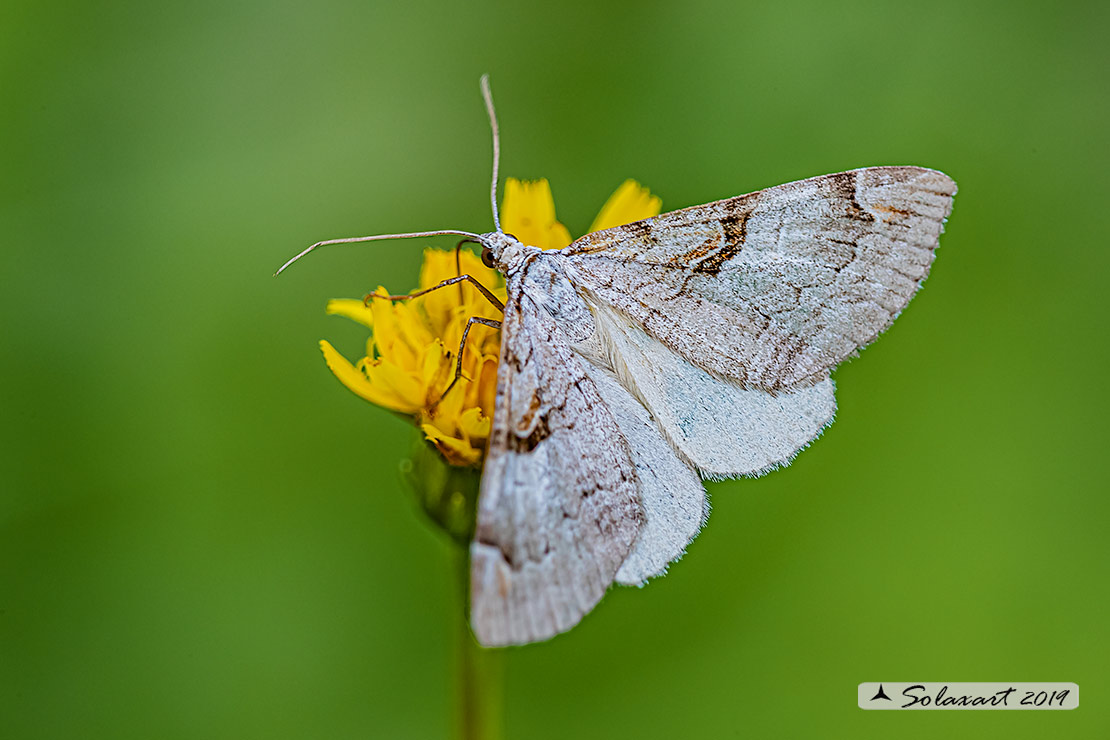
x,y
641,359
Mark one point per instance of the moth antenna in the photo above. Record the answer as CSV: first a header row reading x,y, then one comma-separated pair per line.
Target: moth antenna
x,y
379,237
488,96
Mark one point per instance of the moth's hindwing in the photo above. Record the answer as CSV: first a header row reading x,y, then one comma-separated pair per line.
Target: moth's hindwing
x,y
775,288
674,500
723,429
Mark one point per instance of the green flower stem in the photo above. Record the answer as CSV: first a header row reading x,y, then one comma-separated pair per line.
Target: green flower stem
x,y
480,672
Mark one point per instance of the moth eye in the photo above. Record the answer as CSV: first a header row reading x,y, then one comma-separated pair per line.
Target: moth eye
x,y
487,257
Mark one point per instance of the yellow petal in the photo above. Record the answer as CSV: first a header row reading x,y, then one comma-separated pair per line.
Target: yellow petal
x,y
438,265
487,385
474,424
446,412
399,332
440,304
457,451
528,213
352,309
436,368
631,202
386,331
356,381
400,384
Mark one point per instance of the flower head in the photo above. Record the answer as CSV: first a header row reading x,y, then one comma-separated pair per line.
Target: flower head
x,y
411,354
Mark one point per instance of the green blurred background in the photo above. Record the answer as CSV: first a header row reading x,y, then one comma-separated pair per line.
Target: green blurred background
x,y
203,535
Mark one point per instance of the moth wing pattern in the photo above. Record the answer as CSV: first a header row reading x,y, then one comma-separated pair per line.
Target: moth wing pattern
x,y
775,288
722,429
672,494
559,507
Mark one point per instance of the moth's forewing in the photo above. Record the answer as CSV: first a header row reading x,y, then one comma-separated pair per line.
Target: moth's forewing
x,y
559,507
775,288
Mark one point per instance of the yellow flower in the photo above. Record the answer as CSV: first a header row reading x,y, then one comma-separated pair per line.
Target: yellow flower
x,y
410,355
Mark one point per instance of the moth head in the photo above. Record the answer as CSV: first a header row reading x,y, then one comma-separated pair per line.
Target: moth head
x,y
501,251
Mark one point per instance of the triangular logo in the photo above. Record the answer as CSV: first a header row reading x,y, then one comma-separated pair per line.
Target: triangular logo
x,y
881,695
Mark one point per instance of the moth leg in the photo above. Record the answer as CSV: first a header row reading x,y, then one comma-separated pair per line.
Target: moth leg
x,y
449,281
458,261
462,345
